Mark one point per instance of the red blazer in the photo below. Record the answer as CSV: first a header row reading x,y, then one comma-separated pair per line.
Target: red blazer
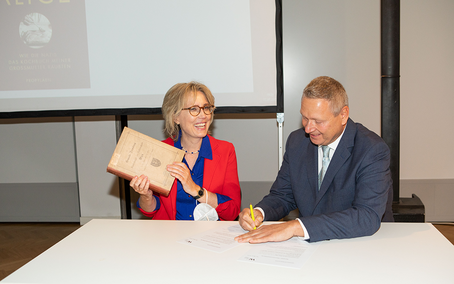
x,y
220,175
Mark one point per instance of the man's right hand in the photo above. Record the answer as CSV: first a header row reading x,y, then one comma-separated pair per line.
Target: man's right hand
x,y
246,221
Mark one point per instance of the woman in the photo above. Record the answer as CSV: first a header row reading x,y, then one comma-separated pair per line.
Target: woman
x,y
208,173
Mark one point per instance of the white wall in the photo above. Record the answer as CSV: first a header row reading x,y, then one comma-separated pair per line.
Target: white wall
x,y
427,70
95,139
38,170
427,96
37,150
340,39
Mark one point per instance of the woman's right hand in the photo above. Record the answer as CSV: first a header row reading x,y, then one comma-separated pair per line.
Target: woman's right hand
x,y
141,185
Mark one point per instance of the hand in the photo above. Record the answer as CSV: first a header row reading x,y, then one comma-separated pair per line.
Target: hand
x,y
183,174
141,185
246,221
272,233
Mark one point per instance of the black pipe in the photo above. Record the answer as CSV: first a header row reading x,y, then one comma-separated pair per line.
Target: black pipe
x,y
125,192
390,84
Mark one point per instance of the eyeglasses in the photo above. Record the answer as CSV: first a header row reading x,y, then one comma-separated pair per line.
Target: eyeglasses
x,y
195,110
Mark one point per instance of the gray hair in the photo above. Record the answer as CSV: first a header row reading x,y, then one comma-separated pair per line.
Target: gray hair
x,y
327,88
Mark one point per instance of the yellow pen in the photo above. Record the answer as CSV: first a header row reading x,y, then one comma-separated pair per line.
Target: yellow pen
x,y
252,215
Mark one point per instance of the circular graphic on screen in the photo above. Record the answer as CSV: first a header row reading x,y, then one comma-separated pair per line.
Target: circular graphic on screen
x,y
35,30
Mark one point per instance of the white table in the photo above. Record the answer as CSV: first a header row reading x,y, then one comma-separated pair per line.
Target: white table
x,y
145,251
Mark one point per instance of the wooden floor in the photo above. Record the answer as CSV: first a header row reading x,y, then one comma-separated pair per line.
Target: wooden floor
x,y
21,242
447,229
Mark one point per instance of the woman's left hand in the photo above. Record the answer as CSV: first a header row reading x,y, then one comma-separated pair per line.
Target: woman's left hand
x,y
183,174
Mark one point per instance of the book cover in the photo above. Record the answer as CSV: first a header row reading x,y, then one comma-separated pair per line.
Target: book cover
x,y
137,154
44,45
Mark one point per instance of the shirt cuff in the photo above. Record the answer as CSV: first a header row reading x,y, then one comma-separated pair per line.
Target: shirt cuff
x,y
261,211
222,198
158,204
306,234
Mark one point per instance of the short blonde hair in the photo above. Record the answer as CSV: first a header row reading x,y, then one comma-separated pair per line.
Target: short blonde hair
x,y
174,101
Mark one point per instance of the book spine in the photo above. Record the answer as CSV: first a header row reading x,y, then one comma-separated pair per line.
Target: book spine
x,y
126,176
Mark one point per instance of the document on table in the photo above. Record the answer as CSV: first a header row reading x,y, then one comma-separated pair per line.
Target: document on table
x,y
292,253
217,240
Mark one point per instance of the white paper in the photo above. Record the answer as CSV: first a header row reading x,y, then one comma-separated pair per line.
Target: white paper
x,y
292,253
217,240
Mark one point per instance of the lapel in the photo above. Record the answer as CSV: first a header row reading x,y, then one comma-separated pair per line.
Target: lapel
x,y
173,201
312,165
343,152
209,171
172,198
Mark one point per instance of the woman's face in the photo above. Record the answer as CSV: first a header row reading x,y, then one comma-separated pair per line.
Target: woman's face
x,y
194,126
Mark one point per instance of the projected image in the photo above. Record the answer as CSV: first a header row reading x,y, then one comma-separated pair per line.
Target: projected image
x,y
50,52
35,30
116,54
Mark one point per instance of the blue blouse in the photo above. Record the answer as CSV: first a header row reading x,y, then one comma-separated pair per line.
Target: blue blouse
x,y
185,202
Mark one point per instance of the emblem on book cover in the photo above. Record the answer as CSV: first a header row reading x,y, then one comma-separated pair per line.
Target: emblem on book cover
x,y
155,162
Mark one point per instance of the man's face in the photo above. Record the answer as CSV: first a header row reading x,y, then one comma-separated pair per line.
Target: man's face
x,y
320,123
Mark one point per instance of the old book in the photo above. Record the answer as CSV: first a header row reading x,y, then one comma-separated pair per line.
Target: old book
x,y
137,154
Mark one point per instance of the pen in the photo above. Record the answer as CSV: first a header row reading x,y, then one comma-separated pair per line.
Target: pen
x,y
252,215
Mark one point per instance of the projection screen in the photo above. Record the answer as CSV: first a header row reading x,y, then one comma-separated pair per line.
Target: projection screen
x,y
76,57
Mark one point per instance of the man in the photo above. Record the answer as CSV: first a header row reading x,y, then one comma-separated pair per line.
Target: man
x,y
344,194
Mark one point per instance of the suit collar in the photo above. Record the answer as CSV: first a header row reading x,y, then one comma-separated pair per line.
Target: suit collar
x,y
210,166
312,164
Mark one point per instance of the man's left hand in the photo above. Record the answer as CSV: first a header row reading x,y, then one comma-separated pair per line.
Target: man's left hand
x,y
272,233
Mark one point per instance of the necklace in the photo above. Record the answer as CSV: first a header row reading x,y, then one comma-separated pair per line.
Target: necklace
x,y
195,152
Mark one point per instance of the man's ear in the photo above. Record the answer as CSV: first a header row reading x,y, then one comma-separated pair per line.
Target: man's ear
x,y
344,114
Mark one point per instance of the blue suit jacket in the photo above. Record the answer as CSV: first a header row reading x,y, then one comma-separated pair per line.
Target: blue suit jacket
x,y
356,192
